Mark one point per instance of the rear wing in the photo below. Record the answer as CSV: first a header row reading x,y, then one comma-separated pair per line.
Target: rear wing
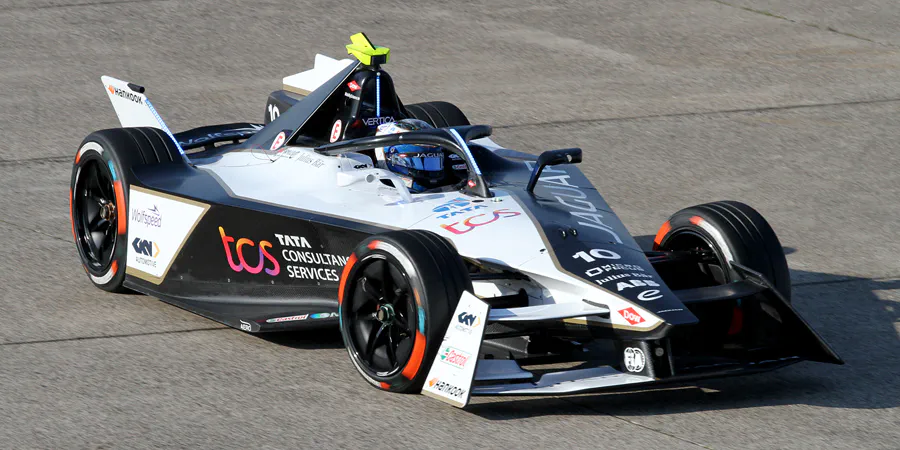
x,y
134,108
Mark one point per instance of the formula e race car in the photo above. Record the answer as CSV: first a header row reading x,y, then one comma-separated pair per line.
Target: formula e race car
x,y
510,277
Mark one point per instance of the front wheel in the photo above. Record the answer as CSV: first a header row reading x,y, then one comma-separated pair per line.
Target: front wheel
x,y
731,231
397,293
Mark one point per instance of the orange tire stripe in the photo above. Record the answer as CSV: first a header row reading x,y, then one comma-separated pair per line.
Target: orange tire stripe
x,y
696,220
385,386
350,262
114,267
373,245
415,360
120,207
663,230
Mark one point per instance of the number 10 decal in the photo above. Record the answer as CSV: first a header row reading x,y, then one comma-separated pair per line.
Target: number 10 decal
x,y
595,254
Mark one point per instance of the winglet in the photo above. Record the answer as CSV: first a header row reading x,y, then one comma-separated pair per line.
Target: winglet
x,y
453,369
366,52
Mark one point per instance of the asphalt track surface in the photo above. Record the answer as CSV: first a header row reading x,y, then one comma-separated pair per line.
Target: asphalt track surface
x,y
792,106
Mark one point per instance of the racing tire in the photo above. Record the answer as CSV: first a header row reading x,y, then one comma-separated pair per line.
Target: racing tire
x,y
438,114
98,200
734,232
397,294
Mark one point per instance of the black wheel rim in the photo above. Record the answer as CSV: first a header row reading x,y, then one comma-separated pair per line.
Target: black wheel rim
x,y
94,215
715,269
381,316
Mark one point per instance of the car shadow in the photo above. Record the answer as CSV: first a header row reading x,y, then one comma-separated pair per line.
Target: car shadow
x,y
309,339
857,316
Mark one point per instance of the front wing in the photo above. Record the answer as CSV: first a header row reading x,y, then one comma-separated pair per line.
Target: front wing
x,y
458,371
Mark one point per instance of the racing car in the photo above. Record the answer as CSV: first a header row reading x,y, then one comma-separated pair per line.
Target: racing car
x,y
508,274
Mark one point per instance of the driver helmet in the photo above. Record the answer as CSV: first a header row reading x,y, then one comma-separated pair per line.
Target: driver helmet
x,y
421,167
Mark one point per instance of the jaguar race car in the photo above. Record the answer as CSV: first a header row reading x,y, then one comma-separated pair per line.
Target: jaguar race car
x,y
507,275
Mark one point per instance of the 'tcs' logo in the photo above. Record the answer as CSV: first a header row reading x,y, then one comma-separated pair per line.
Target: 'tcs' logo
x,y
470,224
263,255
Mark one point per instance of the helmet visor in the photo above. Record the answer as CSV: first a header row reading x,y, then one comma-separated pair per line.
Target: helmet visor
x,y
418,158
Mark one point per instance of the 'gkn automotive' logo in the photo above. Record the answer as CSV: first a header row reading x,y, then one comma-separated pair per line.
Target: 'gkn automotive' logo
x,y
467,322
467,319
145,247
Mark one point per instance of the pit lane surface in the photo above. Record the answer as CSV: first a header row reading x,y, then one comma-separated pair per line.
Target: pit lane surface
x,y
791,106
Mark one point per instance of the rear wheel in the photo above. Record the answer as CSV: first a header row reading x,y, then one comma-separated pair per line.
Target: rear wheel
x,y
732,231
397,293
438,114
98,201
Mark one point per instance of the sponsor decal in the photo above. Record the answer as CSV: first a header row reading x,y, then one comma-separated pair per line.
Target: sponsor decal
x,y
470,223
574,200
468,319
305,157
599,270
154,243
457,206
467,322
278,142
456,203
413,155
147,250
634,359
351,96
454,357
336,131
353,86
245,326
290,255
146,216
374,121
471,183
263,261
293,241
127,95
288,319
331,315
446,388
622,285
620,276
459,167
649,295
631,316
